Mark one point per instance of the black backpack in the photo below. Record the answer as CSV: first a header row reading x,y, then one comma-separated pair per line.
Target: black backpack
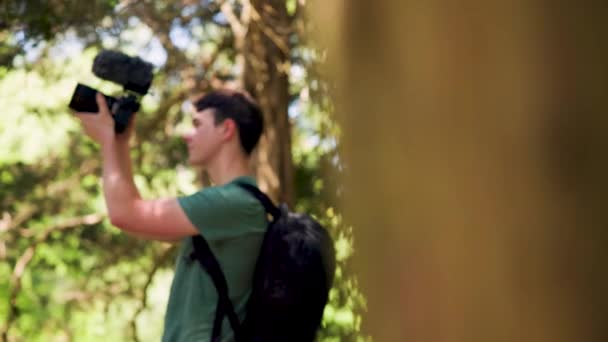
x,y
292,278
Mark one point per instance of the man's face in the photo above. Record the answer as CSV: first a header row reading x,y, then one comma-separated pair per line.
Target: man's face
x,y
205,138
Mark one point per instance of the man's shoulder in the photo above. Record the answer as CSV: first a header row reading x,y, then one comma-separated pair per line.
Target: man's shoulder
x,y
229,195
233,190
215,208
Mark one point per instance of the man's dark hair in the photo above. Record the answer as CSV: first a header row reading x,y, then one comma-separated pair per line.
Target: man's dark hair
x,y
238,106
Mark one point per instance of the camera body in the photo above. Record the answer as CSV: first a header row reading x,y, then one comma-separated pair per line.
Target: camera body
x,y
134,74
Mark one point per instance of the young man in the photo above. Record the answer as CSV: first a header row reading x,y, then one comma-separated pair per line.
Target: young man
x,y
227,126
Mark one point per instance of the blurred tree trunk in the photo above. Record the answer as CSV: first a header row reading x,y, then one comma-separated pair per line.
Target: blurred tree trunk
x,y
475,150
266,54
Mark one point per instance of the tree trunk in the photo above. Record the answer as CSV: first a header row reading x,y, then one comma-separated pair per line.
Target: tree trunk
x,y
475,151
265,67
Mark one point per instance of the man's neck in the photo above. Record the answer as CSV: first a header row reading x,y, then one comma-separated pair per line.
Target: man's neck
x,y
227,168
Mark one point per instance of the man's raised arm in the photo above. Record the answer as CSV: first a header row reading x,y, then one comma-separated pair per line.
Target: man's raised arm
x,y
160,219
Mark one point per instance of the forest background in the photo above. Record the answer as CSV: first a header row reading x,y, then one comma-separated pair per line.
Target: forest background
x,y
65,272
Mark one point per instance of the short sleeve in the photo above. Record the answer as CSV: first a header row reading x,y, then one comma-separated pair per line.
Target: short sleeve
x,y
217,212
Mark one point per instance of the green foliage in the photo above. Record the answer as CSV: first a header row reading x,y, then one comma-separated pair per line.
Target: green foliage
x,y
81,268
317,160
24,24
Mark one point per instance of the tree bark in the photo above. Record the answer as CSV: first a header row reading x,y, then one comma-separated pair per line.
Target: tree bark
x,y
265,75
475,150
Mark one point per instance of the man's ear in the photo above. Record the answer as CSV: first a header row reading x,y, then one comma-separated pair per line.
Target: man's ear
x,y
229,129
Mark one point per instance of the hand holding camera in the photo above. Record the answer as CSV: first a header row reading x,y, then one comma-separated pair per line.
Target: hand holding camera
x,y
134,74
100,127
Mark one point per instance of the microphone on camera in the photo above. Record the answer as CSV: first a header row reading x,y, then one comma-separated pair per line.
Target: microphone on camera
x,y
131,72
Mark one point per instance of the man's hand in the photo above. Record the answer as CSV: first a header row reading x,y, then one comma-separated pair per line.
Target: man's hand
x,y
100,126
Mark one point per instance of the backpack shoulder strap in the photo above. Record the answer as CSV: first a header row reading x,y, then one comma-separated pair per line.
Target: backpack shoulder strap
x,y
202,252
262,197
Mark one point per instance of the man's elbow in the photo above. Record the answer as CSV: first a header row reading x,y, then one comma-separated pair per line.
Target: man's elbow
x,y
123,216
119,220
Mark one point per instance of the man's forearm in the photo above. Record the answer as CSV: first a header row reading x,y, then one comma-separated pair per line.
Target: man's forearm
x,y
119,189
127,210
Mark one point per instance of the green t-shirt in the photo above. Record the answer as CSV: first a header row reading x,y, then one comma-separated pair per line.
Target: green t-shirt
x,y
233,222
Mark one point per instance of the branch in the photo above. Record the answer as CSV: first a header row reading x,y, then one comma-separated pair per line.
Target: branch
x,y
88,166
158,261
53,190
237,28
275,37
201,82
8,222
27,256
246,13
